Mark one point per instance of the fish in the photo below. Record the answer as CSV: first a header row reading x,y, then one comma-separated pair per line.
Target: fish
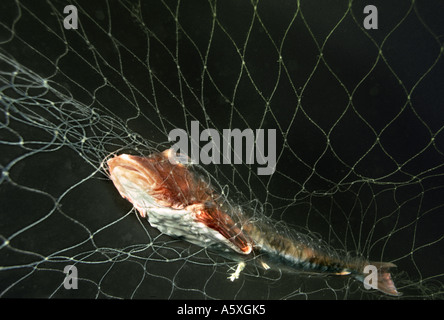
x,y
182,203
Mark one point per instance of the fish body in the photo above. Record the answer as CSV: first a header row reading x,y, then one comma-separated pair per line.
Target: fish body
x,y
299,253
180,203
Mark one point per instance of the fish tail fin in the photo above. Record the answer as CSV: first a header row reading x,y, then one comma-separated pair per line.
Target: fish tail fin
x,y
382,280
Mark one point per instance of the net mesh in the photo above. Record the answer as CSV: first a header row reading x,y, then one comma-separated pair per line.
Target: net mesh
x,y
359,123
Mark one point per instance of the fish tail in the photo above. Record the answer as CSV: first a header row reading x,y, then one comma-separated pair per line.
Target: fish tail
x,y
382,280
